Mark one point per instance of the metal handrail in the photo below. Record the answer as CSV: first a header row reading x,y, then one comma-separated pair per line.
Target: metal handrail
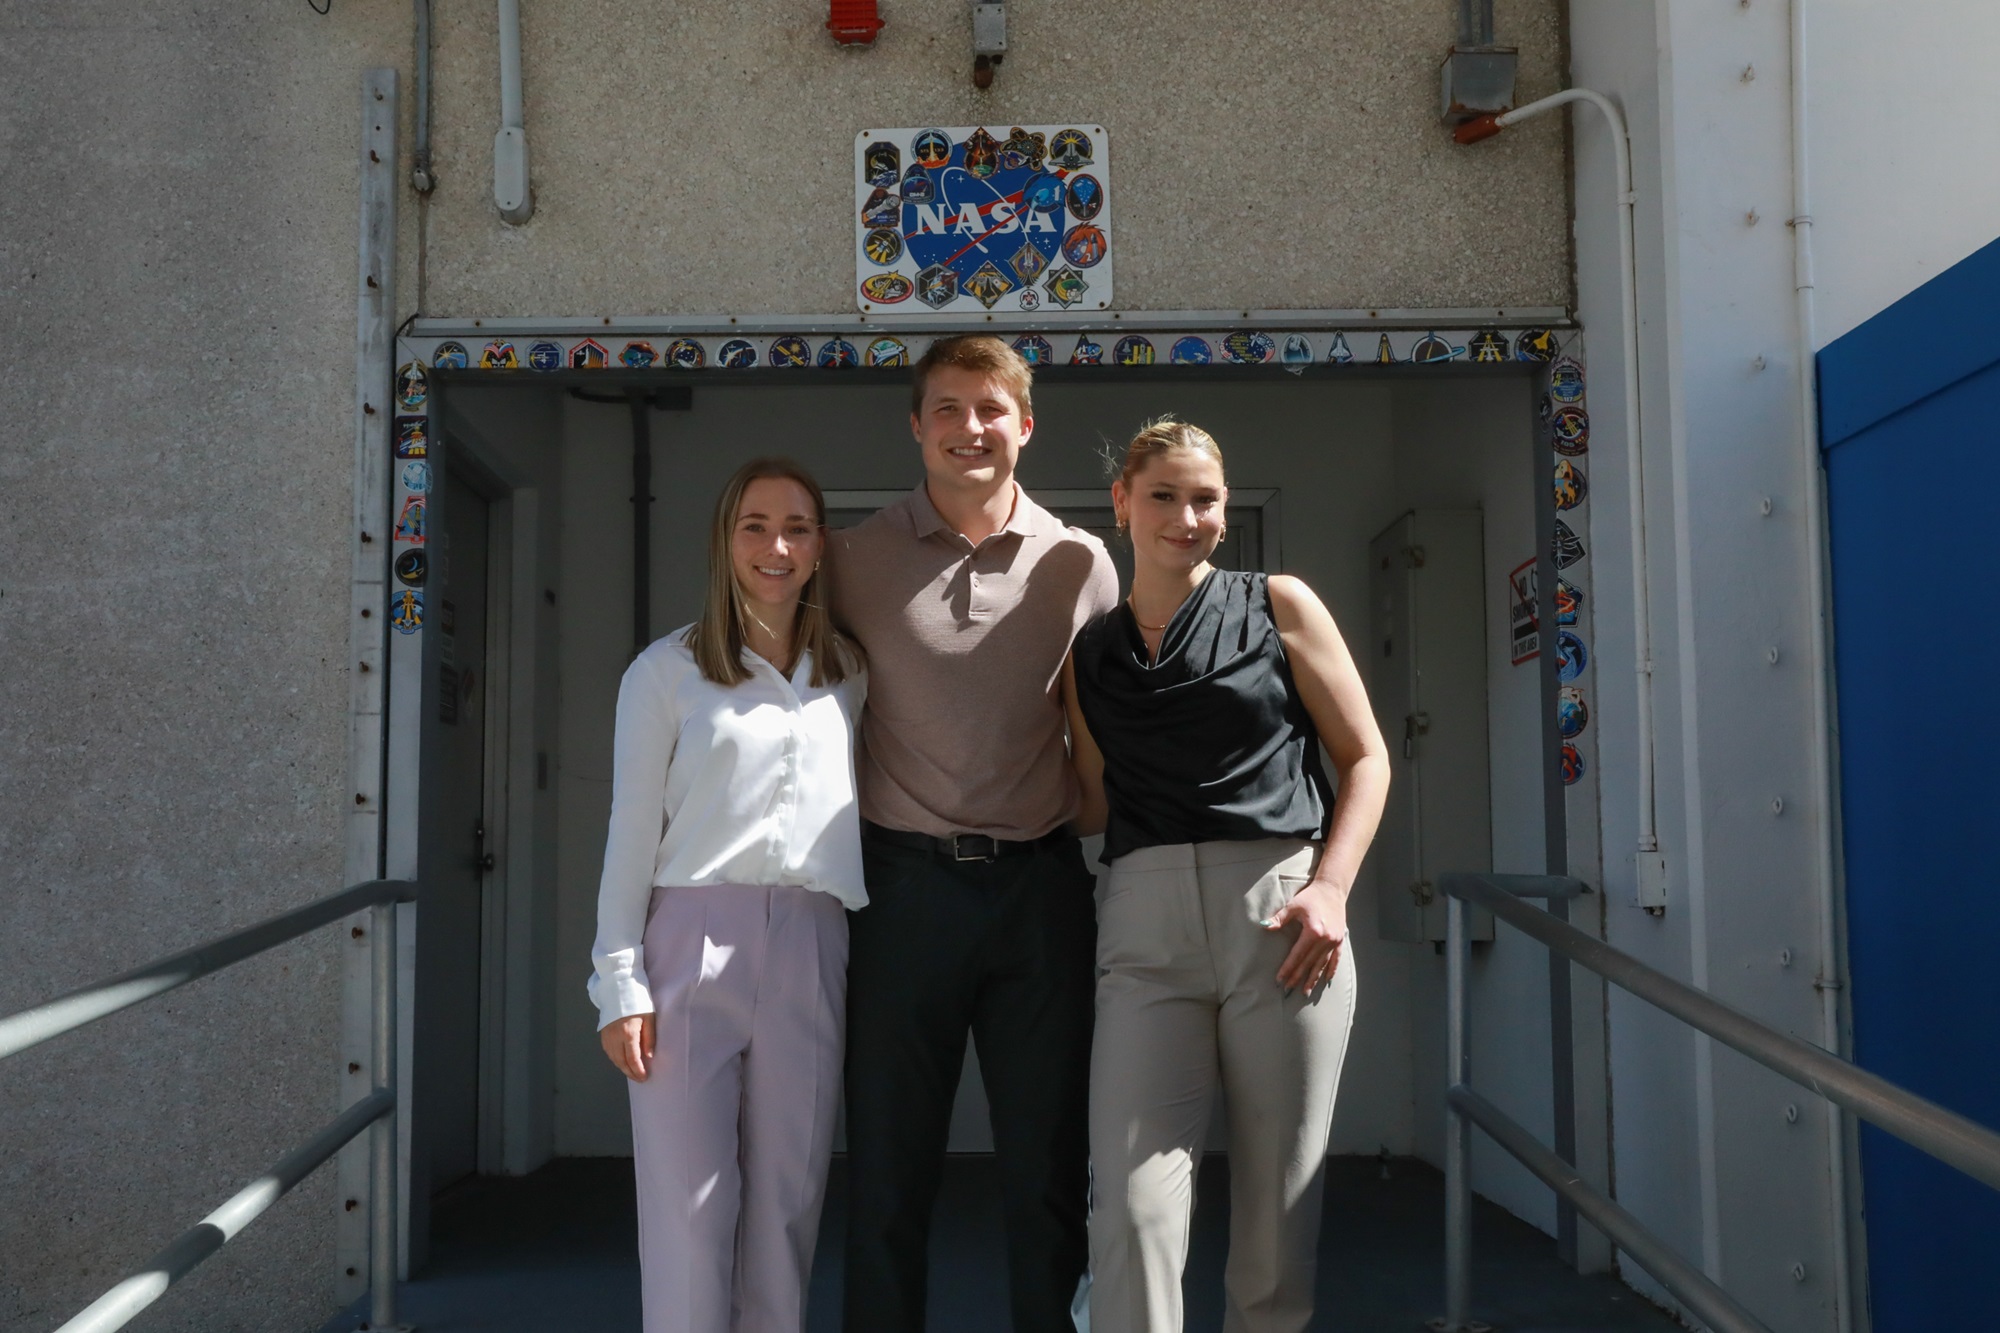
x,y
87,1004
1944,1134
378,1110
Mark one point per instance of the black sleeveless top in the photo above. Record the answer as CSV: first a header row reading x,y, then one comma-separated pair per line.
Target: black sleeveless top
x,y
1211,743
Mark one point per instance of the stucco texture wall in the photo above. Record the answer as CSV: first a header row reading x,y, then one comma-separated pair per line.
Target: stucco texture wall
x,y
698,159
177,270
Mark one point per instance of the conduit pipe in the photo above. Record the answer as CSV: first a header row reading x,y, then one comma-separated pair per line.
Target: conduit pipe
x,y
1813,501
510,146
421,179
1650,866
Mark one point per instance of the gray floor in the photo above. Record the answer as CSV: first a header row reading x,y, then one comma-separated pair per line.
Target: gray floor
x,y
556,1250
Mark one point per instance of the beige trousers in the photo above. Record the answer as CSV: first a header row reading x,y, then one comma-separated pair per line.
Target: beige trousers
x,y
1189,994
732,1132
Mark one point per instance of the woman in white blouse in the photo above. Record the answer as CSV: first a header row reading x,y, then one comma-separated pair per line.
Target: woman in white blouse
x,y
721,954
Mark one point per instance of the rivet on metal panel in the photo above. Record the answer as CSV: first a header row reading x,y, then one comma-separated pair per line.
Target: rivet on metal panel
x,y
1771,655
1799,1272
1791,1113
1777,805
1764,506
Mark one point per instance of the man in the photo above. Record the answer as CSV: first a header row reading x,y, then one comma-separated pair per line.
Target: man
x,y
965,596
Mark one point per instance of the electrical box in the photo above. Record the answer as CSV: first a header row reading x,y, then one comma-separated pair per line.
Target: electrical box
x,y
1427,656
1477,81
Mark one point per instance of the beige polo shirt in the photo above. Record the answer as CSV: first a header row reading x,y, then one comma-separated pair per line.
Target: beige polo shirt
x,y
964,730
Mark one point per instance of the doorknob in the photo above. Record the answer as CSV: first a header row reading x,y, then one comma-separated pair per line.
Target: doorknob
x,y
1414,725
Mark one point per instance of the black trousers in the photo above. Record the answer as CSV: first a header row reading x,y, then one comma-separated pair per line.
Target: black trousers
x,y
1005,950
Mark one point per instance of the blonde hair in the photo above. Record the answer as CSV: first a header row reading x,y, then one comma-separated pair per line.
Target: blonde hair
x,y
717,639
982,354
1162,436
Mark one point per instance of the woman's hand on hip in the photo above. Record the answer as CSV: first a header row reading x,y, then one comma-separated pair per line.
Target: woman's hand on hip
x,y
1320,912
629,1043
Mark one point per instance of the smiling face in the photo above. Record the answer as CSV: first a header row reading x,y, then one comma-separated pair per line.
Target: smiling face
x,y
972,431
1173,508
775,545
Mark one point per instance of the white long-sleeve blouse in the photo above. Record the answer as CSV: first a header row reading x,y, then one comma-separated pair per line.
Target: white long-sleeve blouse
x,y
719,784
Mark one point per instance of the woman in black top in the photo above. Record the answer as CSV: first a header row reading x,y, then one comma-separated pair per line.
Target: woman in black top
x,y
1197,711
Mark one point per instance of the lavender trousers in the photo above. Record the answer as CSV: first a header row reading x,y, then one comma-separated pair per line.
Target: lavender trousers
x,y
732,1131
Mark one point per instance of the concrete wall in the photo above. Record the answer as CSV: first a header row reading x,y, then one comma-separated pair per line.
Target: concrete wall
x,y
699,158
1900,149
179,225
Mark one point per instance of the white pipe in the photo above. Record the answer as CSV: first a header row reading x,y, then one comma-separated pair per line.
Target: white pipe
x,y
511,194
1813,502
1628,283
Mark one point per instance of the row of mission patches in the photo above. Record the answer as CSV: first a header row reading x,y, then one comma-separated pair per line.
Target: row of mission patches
x,y
1244,347
1567,418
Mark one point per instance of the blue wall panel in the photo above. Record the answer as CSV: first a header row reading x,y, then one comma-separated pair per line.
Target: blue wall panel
x,y
1913,488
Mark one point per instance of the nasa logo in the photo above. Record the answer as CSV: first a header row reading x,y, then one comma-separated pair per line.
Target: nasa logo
x,y
1087,353
1338,352
450,356
1066,287
1034,349
638,355
416,476
1069,150
1488,346
1570,484
1569,432
736,354
886,288
888,352
412,437
546,356
413,387
791,350
589,354
406,611
1085,245
882,165
1132,350
882,246
1566,381
1246,348
1535,345
1298,350
499,355
686,354
1189,351
838,354
410,568
1086,197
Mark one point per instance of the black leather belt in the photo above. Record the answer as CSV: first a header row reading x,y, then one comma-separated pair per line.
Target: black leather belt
x,y
963,846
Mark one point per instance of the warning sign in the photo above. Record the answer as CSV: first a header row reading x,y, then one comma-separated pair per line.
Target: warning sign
x,y
1524,612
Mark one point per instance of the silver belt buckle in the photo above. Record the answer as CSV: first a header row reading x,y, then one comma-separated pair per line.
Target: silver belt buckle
x,y
958,852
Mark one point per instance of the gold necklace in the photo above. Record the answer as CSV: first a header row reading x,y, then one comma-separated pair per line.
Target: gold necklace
x,y
1140,623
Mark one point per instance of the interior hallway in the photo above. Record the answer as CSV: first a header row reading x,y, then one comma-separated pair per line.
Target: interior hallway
x,y
556,1250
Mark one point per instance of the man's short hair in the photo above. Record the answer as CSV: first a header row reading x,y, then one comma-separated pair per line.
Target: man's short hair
x,y
982,354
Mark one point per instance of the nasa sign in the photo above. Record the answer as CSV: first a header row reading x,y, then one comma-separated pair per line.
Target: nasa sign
x,y
975,220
